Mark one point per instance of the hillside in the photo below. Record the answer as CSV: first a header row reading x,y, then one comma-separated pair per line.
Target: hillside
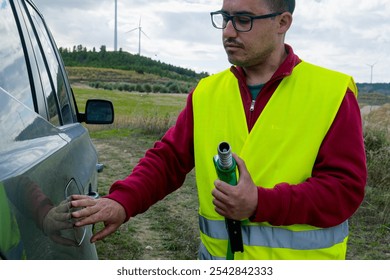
x,y
81,57
379,88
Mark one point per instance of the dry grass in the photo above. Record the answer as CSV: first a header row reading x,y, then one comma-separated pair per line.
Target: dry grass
x,y
370,226
377,118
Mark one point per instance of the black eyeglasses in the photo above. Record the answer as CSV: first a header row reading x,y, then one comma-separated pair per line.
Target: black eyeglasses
x,y
242,22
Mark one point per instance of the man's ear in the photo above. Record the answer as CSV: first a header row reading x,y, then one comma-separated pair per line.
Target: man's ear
x,y
285,21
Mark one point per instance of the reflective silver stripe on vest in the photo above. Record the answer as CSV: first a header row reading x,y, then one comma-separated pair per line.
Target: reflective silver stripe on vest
x,y
275,237
203,254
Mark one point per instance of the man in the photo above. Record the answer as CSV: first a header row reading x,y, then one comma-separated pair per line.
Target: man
x,y
295,128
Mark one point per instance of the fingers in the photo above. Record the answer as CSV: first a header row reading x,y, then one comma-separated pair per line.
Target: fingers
x,y
79,196
236,202
109,229
79,201
222,189
85,206
222,198
240,165
220,208
87,216
84,212
221,194
93,211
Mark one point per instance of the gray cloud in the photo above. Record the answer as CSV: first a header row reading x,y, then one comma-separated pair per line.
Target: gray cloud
x,y
342,35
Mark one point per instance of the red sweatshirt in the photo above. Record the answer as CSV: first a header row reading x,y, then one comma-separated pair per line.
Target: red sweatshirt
x,y
328,198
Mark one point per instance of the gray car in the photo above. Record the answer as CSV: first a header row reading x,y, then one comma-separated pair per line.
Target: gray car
x,y
46,155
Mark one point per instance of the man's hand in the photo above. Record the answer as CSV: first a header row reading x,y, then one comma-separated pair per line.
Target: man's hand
x,y
236,202
105,210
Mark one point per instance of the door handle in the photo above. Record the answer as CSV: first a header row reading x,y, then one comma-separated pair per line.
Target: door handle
x,y
99,167
77,234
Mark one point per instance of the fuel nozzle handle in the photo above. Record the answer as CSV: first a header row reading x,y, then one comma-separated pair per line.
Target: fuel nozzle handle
x,y
225,166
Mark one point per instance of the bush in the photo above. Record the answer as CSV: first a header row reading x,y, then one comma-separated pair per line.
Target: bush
x,y
375,140
156,88
173,88
139,88
147,88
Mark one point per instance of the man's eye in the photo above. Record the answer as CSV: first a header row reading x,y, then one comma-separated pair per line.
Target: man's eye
x,y
243,20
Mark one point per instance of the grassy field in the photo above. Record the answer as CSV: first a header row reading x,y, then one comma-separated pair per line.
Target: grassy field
x,y
169,229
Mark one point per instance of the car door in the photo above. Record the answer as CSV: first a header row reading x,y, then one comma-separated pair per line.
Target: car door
x,y
41,166
46,155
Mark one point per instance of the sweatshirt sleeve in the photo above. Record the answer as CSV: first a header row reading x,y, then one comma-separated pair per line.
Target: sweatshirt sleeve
x,y
336,188
161,171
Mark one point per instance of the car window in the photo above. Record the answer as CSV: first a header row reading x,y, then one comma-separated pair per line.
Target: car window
x,y
13,69
58,103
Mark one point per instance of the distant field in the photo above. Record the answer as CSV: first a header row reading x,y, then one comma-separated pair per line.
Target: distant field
x,y
150,112
128,104
169,229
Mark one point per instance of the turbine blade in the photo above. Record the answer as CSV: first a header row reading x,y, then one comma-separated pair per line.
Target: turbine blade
x,y
132,30
145,34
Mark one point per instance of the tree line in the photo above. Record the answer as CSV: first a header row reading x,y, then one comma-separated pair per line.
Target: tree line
x,y
381,88
82,57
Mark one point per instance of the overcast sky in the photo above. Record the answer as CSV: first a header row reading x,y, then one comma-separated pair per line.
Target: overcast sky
x,y
352,36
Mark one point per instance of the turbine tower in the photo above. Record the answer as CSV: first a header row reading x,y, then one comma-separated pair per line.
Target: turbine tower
x,y
372,69
116,27
140,32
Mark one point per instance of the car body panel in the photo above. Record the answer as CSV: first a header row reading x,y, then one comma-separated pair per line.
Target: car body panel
x,y
26,137
33,150
46,154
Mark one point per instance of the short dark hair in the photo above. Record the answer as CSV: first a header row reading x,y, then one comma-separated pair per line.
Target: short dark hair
x,y
281,5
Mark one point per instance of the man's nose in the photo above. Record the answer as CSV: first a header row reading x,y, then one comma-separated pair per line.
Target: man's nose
x,y
229,30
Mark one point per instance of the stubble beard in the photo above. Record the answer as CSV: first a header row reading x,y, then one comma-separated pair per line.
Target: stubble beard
x,y
247,60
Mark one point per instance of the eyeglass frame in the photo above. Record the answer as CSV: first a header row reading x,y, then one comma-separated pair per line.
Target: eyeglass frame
x,y
232,18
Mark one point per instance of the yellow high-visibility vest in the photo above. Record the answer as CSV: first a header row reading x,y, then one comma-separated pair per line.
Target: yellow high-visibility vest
x,y
10,242
281,147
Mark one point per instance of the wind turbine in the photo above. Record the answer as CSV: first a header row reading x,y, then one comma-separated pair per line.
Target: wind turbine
x,y
372,69
139,35
116,27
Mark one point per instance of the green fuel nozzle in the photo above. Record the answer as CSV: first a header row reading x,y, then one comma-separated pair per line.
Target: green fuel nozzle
x,y
226,166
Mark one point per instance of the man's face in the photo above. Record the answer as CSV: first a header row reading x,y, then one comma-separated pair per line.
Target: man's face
x,y
255,46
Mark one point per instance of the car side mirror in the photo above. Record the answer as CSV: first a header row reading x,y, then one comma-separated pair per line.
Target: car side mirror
x,y
98,111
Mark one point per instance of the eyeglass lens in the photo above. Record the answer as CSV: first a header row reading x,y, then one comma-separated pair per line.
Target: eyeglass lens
x,y
240,23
